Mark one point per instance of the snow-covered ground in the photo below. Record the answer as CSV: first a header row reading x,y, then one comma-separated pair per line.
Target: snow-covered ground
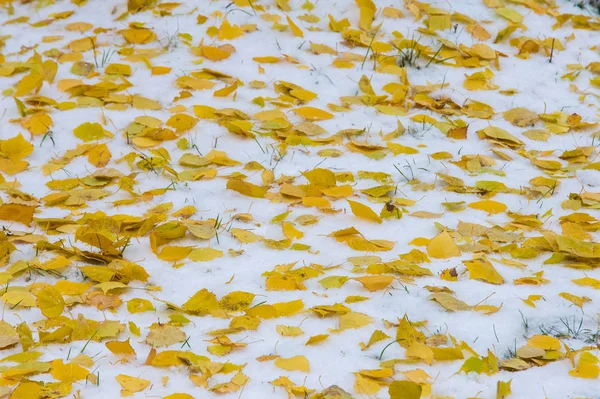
x,y
295,198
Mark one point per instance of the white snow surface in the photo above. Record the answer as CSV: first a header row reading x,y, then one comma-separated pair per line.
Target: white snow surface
x,y
540,89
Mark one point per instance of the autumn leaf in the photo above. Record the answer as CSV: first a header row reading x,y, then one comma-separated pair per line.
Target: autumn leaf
x,y
131,385
312,114
50,302
15,148
297,363
191,189
404,390
89,131
442,246
17,212
489,206
8,335
482,269
68,372
363,211
122,348
449,302
375,283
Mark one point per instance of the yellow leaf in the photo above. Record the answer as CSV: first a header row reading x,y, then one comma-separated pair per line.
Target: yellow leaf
x,y
482,269
440,22
38,123
294,28
29,83
89,131
449,302
164,335
179,396
215,53
289,331
202,231
585,371
420,351
338,191
392,12
375,283
50,302
500,135
405,390
181,122
118,69
377,336
22,357
312,114
320,177
354,320
296,363
544,342
139,102
333,281
577,300
120,348
363,211
17,212
486,309
246,188
588,282
283,4
442,246
280,282
131,385
400,149
509,14
139,305
203,303
283,309
135,330
19,298
16,148
318,48
480,81
8,335
521,117
236,301
99,156
225,91
366,386
204,254
160,70
67,372
503,389
174,253
245,236
546,164
489,206
137,35
367,13
315,339
290,231
229,32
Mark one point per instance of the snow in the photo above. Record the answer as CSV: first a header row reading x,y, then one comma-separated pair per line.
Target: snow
x,y
334,362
